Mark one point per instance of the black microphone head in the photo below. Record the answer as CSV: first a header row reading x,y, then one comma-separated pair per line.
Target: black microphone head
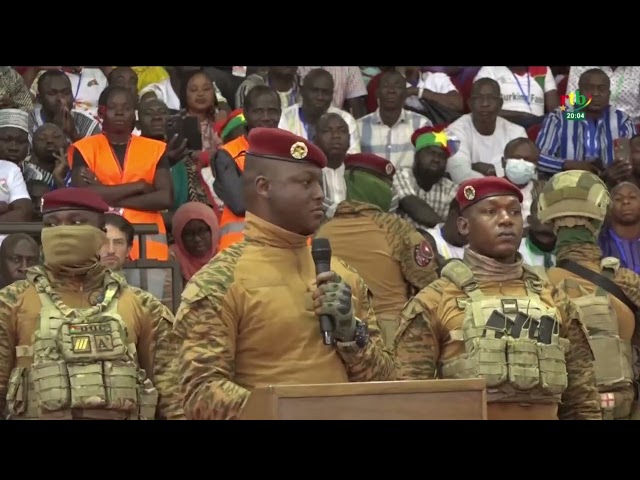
x,y
321,250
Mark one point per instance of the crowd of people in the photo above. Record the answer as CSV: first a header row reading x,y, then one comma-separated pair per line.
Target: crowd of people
x,y
482,221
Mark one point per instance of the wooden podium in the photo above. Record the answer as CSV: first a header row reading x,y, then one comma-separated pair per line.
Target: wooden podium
x,y
402,400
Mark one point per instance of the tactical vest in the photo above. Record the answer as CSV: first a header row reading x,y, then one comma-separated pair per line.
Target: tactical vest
x,y
82,366
613,363
513,343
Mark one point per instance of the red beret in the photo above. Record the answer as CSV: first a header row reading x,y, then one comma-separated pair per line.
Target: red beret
x,y
369,161
476,189
73,199
278,144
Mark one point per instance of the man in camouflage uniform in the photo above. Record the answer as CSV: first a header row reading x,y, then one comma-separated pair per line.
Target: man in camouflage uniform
x,y
493,317
250,317
75,341
394,260
113,255
575,203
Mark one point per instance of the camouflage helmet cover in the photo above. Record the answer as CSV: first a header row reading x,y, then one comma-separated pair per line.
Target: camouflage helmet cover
x,y
574,193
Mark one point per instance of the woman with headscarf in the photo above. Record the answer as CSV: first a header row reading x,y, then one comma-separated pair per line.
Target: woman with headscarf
x,y
196,235
17,253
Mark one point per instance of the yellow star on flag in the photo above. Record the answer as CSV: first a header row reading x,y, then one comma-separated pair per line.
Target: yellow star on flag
x,y
441,138
563,108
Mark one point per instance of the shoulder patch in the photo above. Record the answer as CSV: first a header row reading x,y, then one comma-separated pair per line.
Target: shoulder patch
x,y
423,254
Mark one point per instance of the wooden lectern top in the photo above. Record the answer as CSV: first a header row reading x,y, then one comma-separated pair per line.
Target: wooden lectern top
x,y
397,400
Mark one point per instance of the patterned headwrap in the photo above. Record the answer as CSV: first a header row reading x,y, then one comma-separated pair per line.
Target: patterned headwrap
x,y
14,117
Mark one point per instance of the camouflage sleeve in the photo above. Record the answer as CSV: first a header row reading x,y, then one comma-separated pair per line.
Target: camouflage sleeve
x,y
416,346
206,326
580,401
10,301
411,249
372,363
165,361
629,283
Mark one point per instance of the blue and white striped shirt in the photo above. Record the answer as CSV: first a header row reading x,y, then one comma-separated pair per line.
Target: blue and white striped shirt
x,y
561,139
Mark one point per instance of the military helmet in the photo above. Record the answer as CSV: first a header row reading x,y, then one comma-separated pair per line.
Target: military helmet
x,y
575,193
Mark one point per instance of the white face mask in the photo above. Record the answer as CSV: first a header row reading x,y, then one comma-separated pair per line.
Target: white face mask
x,y
519,171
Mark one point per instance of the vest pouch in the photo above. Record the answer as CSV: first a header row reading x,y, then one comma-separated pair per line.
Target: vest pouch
x,y
490,355
522,357
17,391
121,386
147,400
598,314
87,385
51,385
553,367
91,342
610,361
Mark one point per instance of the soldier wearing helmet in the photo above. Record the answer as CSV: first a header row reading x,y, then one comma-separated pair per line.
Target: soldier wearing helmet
x,y
491,316
576,203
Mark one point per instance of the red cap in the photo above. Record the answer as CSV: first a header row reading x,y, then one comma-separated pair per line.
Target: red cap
x,y
472,191
369,161
73,199
278,144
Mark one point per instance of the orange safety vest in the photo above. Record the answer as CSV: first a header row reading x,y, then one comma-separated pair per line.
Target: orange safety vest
x,y
141,160
232,226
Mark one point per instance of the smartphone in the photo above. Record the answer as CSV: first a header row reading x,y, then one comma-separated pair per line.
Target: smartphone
x,y
185,128
622,149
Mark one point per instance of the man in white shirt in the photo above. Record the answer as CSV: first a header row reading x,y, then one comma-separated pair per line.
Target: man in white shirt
x,y
520,164
449,242
15,203
332,137
527,92
482,135
317,93
435,87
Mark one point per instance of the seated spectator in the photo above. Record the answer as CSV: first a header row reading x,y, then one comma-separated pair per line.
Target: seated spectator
x,y
284,80
482,135
625,95
14,135
199,99
156,82
349,90
621,236
17,253
387,132
14,93
448,241
196,235
520,163
125,77
47,161
427,91
537,246
139,188
575,144
186,172
37,189
317,92
527,92
423,191
55,105
332,137
86,83
234,126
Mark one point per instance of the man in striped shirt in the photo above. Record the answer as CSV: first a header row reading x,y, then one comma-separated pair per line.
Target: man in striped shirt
x,y
572,144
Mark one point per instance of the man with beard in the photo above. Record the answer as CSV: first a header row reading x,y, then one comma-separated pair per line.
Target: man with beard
x,y
249,317
47,162
393,258
491,316
575,203
537,248
424,192
75,341
261,109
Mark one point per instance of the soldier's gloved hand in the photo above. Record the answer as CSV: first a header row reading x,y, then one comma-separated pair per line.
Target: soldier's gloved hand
x,y
333,297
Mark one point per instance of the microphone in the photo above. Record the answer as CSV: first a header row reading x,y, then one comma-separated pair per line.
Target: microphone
x,y
321,253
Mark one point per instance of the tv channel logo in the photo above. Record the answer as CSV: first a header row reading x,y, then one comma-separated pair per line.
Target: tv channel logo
x,y
573,105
